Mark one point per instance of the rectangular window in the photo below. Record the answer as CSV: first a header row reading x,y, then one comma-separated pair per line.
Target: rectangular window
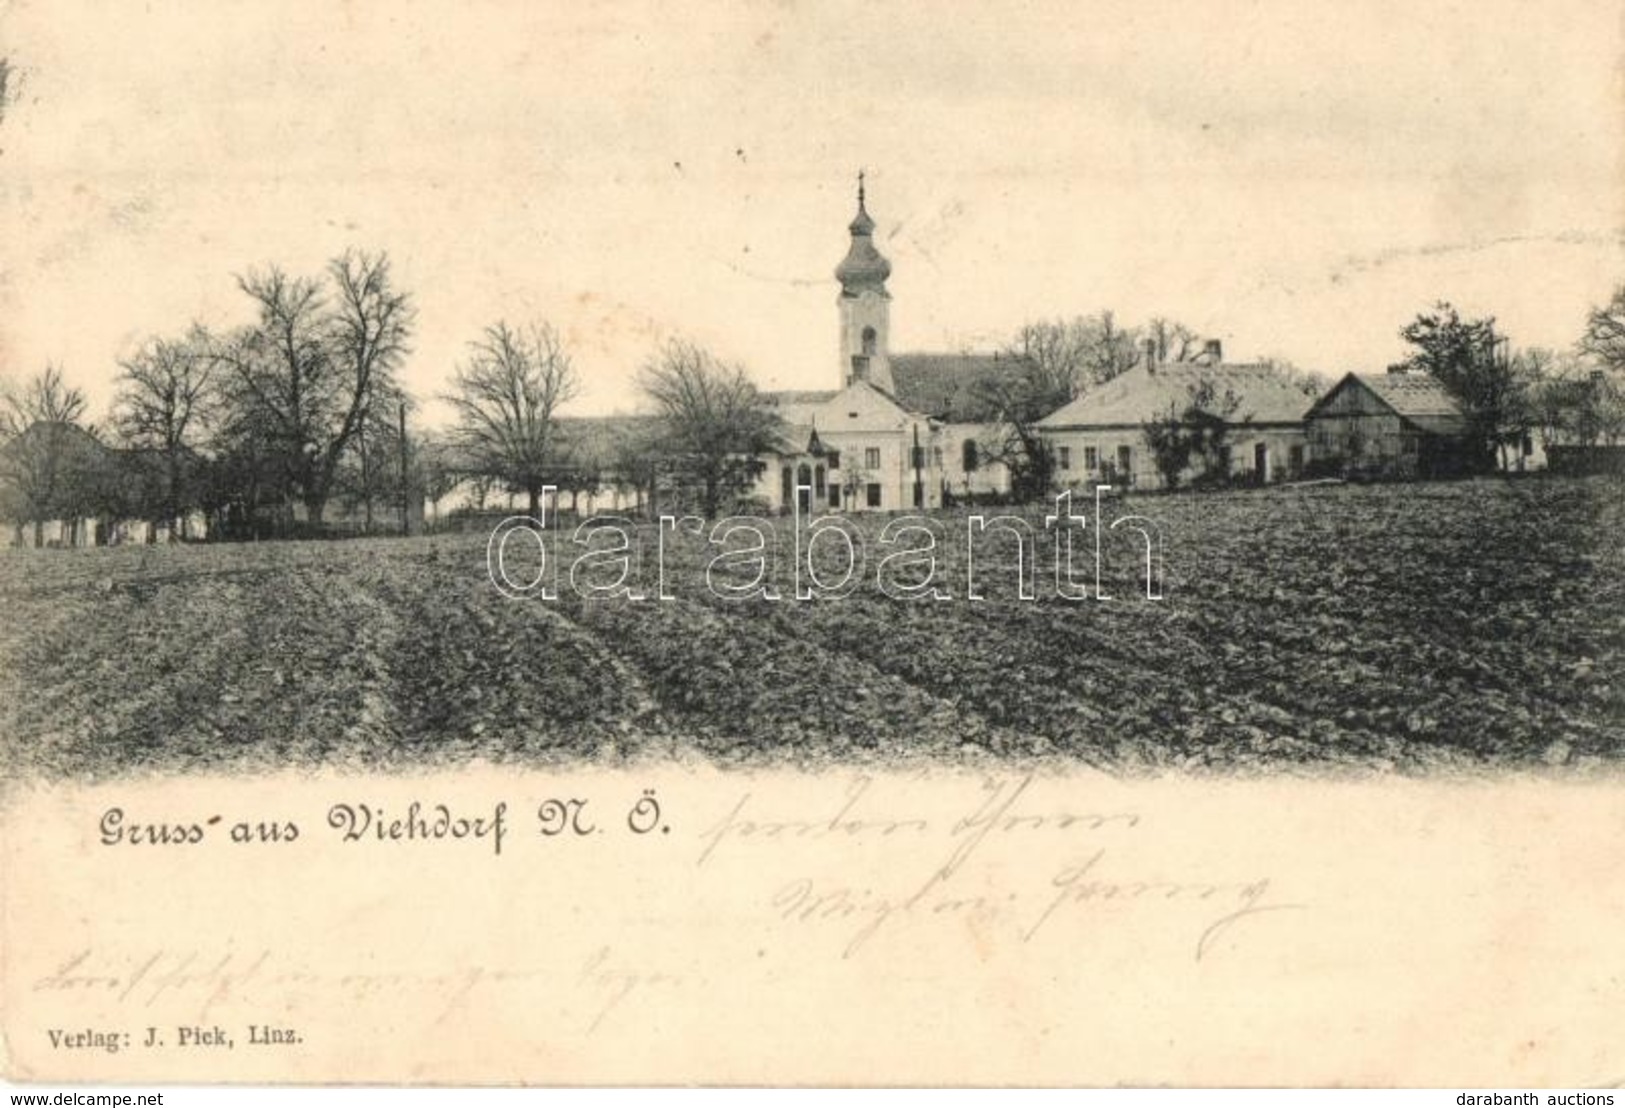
x,y
1063,455
871,457
1091,459
872,492
834,457
1125,460
936,456
968,456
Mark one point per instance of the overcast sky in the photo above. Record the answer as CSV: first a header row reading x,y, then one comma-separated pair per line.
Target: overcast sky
x,y
1296,179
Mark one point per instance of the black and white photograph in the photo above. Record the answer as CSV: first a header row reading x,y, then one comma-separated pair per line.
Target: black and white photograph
x,y
1166,459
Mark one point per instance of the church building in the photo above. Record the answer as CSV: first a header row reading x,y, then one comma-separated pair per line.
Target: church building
x,y
900,431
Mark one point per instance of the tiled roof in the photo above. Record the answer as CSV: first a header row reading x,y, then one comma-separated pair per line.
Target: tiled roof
x,y
780,398
1140,394
1417,397
1411,394
945,385
598,437
793,438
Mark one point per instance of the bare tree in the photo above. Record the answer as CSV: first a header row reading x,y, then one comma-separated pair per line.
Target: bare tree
x,y
1174,341
632,462
1311,384
1014,401
1053,363
1073,355
281,392
854,480
312,366
40,458
1604,337
370,332
508,395
1537,367
1575,403
370,469
713,424
162,398
1054,354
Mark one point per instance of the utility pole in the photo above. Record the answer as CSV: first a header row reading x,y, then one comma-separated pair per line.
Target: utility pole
x,y
918,458
406,490
366,472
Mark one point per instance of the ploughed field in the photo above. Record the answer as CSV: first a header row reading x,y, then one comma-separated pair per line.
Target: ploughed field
x,y
1369,627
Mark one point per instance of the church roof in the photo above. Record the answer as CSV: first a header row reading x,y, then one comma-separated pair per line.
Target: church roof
x,y
948,386
1142,394
864,268
860,407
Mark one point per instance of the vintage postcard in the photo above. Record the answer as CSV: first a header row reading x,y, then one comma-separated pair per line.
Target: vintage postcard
x,y
812,544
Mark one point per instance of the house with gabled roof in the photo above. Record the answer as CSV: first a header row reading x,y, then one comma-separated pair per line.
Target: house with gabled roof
x,y
1099,438
1402,423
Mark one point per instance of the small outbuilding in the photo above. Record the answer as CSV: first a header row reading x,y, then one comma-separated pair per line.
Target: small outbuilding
x,y
1402,423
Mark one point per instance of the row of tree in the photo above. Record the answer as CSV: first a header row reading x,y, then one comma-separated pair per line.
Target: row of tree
x,y
270,412
703,443
304,405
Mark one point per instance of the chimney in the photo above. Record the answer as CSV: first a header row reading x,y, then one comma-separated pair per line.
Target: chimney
x,y
1214,351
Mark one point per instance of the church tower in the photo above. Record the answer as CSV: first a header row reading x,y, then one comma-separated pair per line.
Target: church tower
x,y
865,305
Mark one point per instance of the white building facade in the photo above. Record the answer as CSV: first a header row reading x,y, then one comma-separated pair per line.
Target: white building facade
x,y
868,445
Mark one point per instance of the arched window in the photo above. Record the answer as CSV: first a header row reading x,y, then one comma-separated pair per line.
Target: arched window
x,y
869,342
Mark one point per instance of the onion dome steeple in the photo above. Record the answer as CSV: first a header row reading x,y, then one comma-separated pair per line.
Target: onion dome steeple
x,y
864,267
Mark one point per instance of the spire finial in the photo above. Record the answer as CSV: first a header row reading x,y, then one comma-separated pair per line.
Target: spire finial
x,y
860,188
